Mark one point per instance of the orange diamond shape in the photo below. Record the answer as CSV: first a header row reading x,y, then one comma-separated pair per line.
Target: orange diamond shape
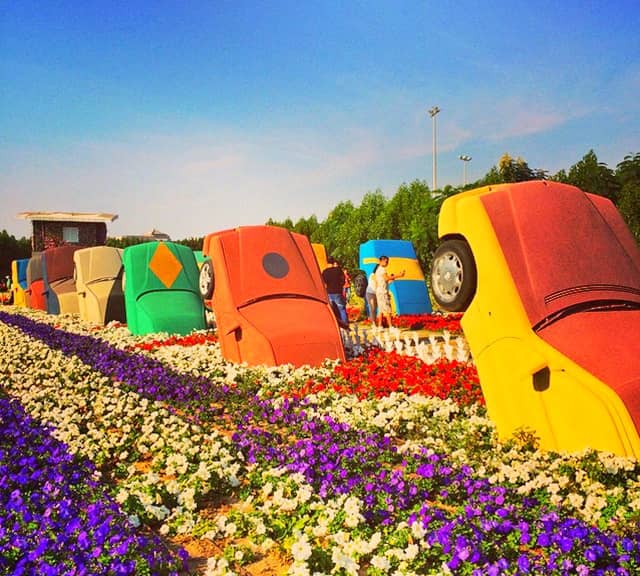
x,y
165,265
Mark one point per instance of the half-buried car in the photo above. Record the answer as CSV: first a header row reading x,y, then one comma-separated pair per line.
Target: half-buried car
x,y
161,289
270,302
549,279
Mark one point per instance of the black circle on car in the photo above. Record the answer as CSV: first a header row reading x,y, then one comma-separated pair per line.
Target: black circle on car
x,y
275,265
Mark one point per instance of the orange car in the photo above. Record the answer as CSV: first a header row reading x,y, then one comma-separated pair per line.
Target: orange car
x,y
270,303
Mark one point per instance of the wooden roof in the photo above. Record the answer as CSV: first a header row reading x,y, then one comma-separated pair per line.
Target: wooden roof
x,y
67,216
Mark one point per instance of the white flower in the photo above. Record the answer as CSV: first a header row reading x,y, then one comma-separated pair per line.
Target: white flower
x,y
297,569
342,560
411,551
122,496
381,563
301,549
230,529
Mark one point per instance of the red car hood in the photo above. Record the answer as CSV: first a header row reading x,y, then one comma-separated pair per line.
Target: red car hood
x,y
606,344
563,247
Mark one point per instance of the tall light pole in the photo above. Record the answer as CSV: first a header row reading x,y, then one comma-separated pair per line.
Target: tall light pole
x,y
464,159
432,112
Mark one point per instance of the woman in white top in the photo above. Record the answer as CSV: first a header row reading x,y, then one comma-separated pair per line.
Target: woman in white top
x,y
382,290
370,296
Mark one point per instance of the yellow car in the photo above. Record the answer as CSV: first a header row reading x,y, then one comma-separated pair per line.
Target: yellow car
x,y
549,279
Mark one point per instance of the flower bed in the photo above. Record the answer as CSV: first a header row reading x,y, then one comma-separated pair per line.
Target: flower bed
x,y
377,374
430,322
388,482
55,517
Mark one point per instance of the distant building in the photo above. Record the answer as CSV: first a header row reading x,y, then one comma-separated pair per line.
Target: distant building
x,y
52,229
153,235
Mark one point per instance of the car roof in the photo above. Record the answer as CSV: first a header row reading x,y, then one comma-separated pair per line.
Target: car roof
x,y
564,247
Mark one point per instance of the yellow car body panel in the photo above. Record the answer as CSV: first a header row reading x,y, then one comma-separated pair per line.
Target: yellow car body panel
x,y
527,383
320,253
18,286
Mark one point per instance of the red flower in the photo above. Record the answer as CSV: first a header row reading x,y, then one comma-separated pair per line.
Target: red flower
x,y
189,340
377,373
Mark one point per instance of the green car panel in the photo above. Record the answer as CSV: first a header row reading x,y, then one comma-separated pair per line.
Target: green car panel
x,y
161,289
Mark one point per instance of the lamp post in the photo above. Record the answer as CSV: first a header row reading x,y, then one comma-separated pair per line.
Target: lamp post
x,y
432,112
464,159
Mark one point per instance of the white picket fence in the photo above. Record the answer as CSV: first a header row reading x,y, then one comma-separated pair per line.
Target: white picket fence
x,y
429,349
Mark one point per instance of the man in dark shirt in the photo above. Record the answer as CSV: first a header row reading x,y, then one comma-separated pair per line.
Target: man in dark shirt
x,y
333,277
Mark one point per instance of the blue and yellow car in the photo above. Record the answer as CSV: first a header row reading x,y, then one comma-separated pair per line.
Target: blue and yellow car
x,y
19,281
548,277
409,294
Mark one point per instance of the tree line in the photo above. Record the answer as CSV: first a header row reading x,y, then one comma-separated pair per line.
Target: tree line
x,y
412,212
12,248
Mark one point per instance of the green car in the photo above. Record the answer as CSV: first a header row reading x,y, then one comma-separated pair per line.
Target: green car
x,y
161,289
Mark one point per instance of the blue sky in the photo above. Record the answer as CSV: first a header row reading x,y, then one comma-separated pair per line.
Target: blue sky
x,y
191,117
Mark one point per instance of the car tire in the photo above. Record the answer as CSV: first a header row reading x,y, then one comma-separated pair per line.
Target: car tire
x,y
360,284
453,275
206,280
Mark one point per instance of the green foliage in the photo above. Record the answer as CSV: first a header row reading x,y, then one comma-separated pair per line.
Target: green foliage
x,y
195,243
628,175
592,176
306,226
125,242
336,237
514,170
12,249
412,212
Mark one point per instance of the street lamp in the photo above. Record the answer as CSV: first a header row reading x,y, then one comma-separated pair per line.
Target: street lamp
x,y
464,159
432,112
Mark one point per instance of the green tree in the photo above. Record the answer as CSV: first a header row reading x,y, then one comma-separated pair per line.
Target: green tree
x,y
286,223
413,214
371,215
514,170
561,176
307,226
194,242
628,175
593,176
12,249
125,242
365,222
510,170
491,177
333,235
402,209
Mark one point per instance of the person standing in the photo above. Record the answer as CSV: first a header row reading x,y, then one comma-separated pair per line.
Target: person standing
x,y
346,290
333,277
382,291
370,296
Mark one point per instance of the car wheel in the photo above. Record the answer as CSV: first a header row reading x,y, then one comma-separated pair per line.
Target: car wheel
x,y
360,284
210,318
206,280
453,275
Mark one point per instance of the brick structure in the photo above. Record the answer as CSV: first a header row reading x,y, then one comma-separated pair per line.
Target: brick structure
x,y
52,229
